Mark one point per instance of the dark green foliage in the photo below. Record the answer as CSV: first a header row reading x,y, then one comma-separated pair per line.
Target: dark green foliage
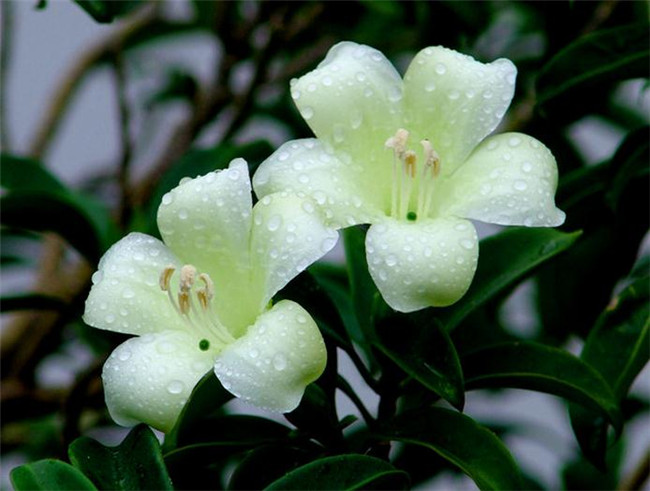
x,y
589,281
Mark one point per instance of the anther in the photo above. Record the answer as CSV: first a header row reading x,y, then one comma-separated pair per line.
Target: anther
x,y
409,163
188,275
184,302
165,277
398,142
431,158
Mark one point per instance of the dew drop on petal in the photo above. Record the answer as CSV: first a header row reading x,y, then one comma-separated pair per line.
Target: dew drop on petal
x,y
307,113
175,387
391,260
526,166
441,68
430,87
520,185
514,141
274,223
279,362
282,156
110,318
167,199
128,293
124,354
467,243
327,81
97,277
253,353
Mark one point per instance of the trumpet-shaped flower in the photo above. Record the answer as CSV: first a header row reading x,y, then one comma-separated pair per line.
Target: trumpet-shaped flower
x,y
201,300
413,158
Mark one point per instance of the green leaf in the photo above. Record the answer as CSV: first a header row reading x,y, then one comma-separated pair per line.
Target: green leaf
x,y
205,401
602,57
365,295
49,475
32,301
460,440
421,347
534,366
619,348
504,260
28,175
53,212
136,463
631,160
38,201
264,465
104,11
343,472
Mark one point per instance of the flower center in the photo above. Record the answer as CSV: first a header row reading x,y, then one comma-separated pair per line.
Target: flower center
x,y
405,175
193,302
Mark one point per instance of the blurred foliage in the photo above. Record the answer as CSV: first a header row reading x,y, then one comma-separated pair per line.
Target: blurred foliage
x,y
574,59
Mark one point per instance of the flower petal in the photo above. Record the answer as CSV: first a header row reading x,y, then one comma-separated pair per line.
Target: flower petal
x,y
455,101
510,179
272,364
288,236
207,222
149,378
422,264
126,296
307,167
352,101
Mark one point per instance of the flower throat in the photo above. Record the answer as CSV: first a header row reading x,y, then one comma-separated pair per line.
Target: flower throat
x,y
405,170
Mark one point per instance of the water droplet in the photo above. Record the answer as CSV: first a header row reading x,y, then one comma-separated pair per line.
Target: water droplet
x,y
467,244
274,223
233,174
487,94
295,95
453,95
303,178
430,87
175,387
327,81
492,145
520,185
282,156
485,189
97,277
182,214
307,113
460,260
253,353
301,319
526,166
428,252
338,134
360,76
441,68
128,293
514,141
356,119
391,260
311,87
368,92
308,207
167,199
124,354
395,94
110,318
279,362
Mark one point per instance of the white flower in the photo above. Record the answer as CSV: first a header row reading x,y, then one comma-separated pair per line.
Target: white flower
x,y
201,300
411,158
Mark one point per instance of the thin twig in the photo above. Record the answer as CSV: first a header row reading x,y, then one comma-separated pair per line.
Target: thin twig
x,y
125,138
347,389
60,100
638,477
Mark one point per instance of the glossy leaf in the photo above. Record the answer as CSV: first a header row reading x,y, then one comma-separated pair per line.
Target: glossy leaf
x,y
504,260
266,464
52,213
534,366
423,349
49,475
344,472
136,463
619,348
205,401
27,175
460,440
601,57
107,10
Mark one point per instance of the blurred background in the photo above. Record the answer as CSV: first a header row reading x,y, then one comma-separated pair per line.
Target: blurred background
x,y
119,111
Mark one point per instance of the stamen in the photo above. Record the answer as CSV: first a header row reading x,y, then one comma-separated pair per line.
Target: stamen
x,y
184,302
398,144
165,277
430,171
